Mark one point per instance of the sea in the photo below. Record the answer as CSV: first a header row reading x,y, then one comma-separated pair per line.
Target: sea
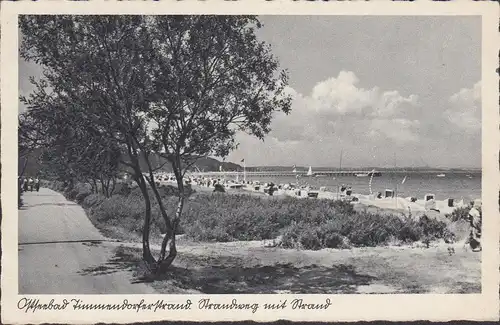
x,y
456,186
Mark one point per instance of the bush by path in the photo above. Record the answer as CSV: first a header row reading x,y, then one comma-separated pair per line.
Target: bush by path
x,y
302,223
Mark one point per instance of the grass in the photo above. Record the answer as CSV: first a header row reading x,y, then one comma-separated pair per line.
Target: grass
x,y
218,217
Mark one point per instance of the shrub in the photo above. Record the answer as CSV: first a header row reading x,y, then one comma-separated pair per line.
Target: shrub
x,y
80,189
124,212
311,239
432,228
362,229
58,186
120,211
53,185
219,188
217,233
459,214
93,200
245,217
81,196
409,233
84,190
308,224
290,236
164,190
301,236
343,207
334,240
122,189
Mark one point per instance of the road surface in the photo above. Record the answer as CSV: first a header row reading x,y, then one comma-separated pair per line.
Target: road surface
x,y
61,252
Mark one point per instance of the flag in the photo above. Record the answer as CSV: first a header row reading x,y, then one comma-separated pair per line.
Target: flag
x,y
243,160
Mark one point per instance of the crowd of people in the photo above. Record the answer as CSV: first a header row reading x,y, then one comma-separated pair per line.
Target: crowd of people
x,y
29,184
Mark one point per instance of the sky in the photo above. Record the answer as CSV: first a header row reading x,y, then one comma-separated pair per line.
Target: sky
x,y
384,90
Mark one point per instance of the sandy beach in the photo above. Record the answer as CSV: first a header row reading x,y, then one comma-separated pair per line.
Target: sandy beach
x,y
398,205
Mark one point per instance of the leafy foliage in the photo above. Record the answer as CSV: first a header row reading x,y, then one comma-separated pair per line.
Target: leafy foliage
x,y
303,224
137,86
460,213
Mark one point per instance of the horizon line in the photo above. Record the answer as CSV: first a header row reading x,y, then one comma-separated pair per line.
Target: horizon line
x,y
360,167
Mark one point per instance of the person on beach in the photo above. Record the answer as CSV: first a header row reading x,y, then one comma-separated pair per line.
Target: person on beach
x,y
271,189
30,184
475,218
25,185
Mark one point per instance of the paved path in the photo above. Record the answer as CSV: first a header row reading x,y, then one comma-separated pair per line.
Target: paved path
x,y
61,252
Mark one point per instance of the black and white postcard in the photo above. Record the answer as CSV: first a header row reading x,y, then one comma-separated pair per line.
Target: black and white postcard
x,y
249,160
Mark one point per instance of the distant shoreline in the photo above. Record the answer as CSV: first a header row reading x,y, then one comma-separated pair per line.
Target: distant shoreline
x,y
387,170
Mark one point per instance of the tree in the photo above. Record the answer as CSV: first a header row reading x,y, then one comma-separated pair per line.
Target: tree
x,y
69,148
176,86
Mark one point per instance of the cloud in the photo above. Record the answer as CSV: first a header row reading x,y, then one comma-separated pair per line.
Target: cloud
x,y
399,130
338,107
465,109
341,96
370,125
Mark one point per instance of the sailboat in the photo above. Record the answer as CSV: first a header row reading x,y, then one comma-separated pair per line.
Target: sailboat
x,y
310,172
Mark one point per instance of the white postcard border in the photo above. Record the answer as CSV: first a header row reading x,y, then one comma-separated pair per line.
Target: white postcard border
x,y
484,306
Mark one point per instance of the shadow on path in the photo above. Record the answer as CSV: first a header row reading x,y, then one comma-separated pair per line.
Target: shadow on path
x,y
226,274
87,242
48,204
34,193
121,261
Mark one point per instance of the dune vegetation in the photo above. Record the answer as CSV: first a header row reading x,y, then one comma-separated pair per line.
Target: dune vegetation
x,y
221,217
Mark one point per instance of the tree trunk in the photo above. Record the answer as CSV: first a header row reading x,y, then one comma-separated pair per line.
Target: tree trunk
x,y
24,166
113,186
96,188
104,187
164,263
146,249
71,184
169,239
107,187
139,178
152,183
